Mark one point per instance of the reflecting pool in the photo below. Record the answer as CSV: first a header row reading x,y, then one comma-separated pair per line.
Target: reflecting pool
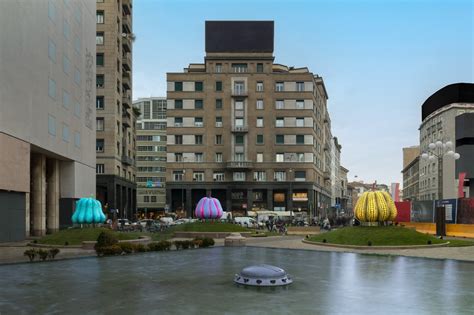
x,y
200,281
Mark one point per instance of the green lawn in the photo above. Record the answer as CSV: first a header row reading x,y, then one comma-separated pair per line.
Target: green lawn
x,y
77,236
379,236
457,243
209,227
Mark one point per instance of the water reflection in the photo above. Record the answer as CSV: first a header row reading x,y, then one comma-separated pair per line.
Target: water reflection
x,y
200,282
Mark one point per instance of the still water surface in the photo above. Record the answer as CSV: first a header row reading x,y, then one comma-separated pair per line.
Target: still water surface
x,y
200,282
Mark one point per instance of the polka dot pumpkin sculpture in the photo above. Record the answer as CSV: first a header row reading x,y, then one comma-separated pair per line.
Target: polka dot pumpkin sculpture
x,y
208,208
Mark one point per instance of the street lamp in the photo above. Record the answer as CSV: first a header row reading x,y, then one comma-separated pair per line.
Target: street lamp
x,y
291,194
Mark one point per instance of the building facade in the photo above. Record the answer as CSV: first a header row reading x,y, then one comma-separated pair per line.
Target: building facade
x,y
250,132
336,189
439,113
346,191
47,130
411,180
115,122
151,156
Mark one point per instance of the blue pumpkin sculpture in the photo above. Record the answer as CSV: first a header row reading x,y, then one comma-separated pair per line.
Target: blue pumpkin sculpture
x,y
208,208
88,211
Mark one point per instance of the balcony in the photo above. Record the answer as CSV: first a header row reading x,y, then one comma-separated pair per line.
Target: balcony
x,y
240,129
126,42
126,8
326,175
126,23
239,164
326,147
127,160
239,92
126,100
126,80
126,61
126,119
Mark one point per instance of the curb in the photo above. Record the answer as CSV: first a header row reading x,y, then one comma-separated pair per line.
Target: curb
x,y
375,247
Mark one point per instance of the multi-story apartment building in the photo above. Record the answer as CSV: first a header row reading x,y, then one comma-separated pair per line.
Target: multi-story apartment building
x,y
250,132
335,173
115,143
411,180
47,130
346,193
439,123
151,156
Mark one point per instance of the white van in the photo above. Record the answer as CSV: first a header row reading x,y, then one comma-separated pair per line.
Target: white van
x,y
246,222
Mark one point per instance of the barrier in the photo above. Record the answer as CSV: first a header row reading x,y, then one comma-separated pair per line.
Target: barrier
x,y
458,230
403,211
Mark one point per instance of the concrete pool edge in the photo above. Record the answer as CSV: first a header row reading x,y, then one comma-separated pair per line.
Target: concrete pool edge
x,y
375,247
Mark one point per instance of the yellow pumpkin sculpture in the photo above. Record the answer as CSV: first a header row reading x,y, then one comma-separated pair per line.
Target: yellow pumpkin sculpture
x,y
375,206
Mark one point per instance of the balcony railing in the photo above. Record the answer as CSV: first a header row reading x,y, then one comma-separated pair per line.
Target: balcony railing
x,y
239,92
327,175
239,164
126,119
126,101
127,160
126,80
126,61
240,128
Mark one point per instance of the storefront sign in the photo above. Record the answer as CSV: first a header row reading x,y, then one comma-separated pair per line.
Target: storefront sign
x,y
300,196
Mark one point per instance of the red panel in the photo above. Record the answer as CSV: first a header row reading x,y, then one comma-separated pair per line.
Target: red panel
x,y
403,209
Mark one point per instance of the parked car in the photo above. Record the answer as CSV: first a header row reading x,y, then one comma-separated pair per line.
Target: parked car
x,y
124,222
246,222
167,220
146,222
182,221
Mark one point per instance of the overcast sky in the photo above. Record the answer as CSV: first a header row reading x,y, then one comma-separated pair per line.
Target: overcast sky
x,y
380,60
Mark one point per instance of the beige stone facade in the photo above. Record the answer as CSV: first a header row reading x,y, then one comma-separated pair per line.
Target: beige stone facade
x,y
411,180
115,145
253,133
151,156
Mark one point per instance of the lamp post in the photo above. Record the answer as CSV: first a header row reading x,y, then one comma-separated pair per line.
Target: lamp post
x,y
182,185
438,150
291,194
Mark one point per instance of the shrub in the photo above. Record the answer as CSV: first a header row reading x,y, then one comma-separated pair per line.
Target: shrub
x,y
139,248
159,246
207,242
197,242
166,245
110,250
187,244
126,247
31,253
53,252
106,238
43,254
178,245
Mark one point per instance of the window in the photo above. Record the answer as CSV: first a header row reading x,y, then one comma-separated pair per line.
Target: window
x,y
280,139
198,157
66,65
218,67
279,157
66,29
66,99
259,157
52,50
198,176
299,139
279,104
239,67
99,38
259,122
300,86
218,139
198,104
146,198
178,86
259,86
99,145
100,17
65,132
100,59
99,168
218,121
239,139
300,157
198,86
178,157
77,109
279,87
239,122
198,122
260,176
178,176
300,104
239,88
51,10
219,157
239,176
280,122
51,125
280,176
152,198
218,176
198,139
178,121
239,157
218,103
52,88
178,139
77,76
299,122
259,67
178,104
99,124
77,139
300,176
239,105
77,44
99,102
259,139
218,85
99,81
